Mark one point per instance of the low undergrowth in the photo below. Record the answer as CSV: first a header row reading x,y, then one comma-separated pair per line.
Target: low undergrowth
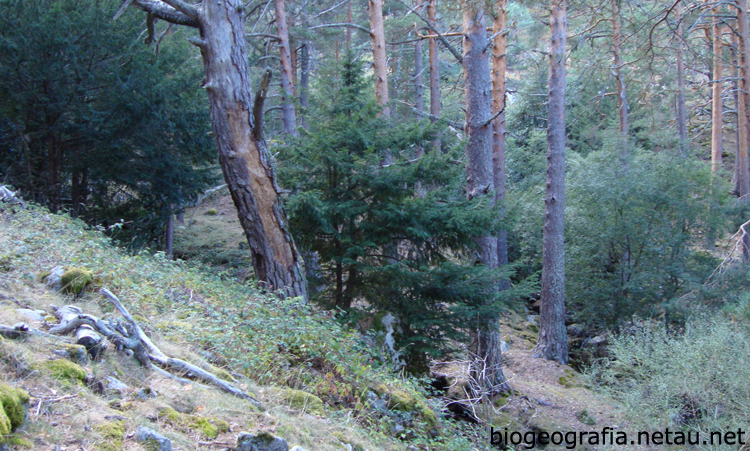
x,y
236,327
690,379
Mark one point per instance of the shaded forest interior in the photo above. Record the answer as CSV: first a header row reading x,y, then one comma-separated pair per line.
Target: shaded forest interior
x,y
420,167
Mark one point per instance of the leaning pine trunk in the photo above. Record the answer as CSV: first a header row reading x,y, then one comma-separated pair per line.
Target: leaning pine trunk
x,y
243,155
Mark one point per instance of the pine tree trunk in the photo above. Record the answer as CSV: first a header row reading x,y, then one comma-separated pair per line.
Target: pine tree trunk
x,y
717,113
681,107
243,155
553,339
304,83
617,69
499,62
434,71
487,369
287,95
379,63
418,69
743,126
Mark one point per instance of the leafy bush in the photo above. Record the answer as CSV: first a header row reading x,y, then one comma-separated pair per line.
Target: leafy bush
x,y
635,233
694,378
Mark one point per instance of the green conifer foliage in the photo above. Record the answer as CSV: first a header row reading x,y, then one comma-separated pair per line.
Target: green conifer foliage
x,y
358,193
94,121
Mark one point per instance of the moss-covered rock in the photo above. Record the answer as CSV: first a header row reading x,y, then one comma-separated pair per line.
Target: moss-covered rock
x,y
74,280
302,400
13,405
65,369
112,433
209,426
404,401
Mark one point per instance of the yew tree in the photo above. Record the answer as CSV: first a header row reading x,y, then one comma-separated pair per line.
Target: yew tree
x,y
237,124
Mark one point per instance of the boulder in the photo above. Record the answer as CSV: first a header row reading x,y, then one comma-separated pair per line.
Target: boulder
x,y
144,434
263,441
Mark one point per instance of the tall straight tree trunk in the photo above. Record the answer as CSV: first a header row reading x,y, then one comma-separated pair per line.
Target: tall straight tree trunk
x,y
717,113
499,62
418,69
243,155
304,83
379,62
617,70
735,58
349,29
743,125
287,98
418,82
487,369
553,338
434,71
681,107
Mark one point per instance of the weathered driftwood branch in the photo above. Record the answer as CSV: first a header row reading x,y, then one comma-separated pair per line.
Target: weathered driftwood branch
x,y
14,332
157,356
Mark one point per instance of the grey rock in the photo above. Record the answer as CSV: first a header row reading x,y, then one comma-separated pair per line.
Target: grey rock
x,y
143,434
504,346
576,330
54,279
116,384
33,315
263,441
297,448
145,393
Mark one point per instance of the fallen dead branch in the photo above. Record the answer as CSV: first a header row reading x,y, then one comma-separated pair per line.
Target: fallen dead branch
x,y
129,335
14,332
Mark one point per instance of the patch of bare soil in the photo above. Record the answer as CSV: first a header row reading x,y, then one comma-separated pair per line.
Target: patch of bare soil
x,y
549,396
211,232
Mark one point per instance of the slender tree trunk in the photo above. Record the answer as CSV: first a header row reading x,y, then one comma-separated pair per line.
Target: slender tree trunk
x,y
170,234
717,113
304,83
499,62
349,29
553,338
287,97
617,70
743,174
379,62
243,155
681,107
735,58
418,69
434,71
418,83
487,369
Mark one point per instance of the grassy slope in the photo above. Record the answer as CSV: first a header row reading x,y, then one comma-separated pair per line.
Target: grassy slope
x,y
267,345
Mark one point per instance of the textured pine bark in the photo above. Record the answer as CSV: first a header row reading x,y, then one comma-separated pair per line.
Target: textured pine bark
x,y
499,63
287,98
378,55
617,70
243,156
553,339
487,369
681,107
717,113
434,71
743,125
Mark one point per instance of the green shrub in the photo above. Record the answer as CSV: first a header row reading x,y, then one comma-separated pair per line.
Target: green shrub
x,y
695,378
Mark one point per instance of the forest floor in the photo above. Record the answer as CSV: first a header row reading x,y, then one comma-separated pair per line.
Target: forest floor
x,y
548,396
187,312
